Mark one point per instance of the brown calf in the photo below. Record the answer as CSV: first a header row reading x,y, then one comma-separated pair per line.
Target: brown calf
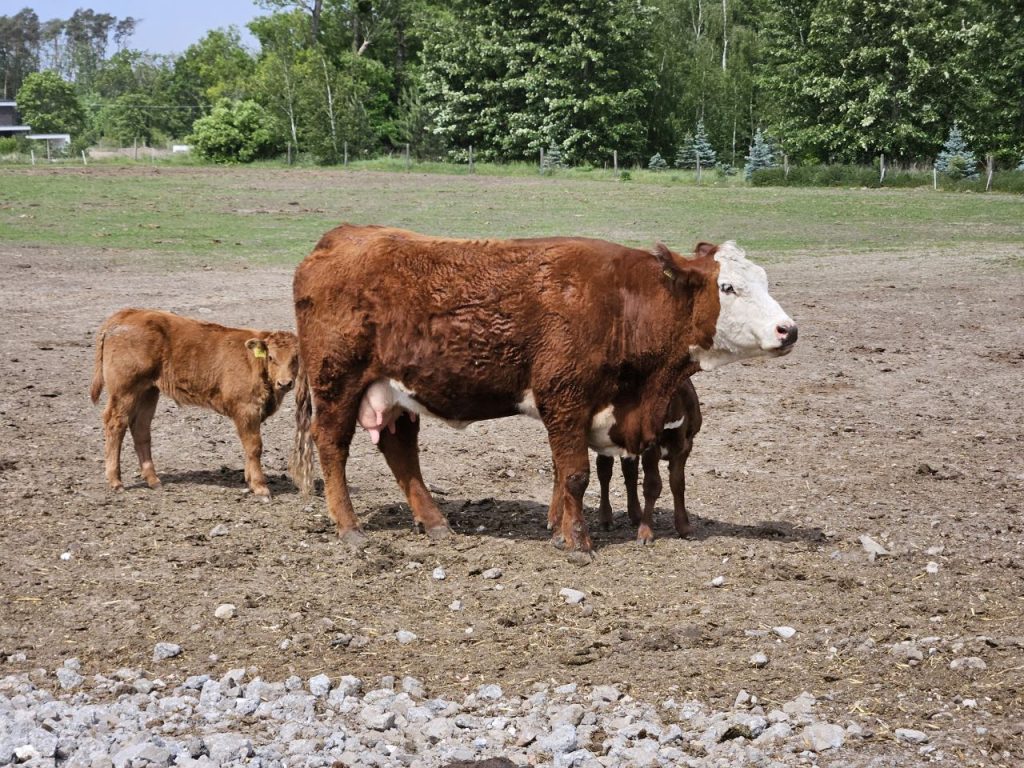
x,y
674,443
240,373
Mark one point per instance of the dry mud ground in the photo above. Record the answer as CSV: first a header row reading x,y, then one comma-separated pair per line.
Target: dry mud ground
x,y
897,416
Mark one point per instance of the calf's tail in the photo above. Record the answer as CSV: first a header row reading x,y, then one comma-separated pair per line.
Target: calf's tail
x,y
97,371
301,464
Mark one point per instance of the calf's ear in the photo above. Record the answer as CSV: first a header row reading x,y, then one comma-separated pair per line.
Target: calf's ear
x,y
704,249
258,347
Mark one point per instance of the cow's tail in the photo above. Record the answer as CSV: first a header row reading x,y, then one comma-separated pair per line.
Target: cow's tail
x,y
301,464
97,371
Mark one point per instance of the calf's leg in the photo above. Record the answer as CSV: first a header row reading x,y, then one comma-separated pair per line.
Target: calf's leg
x,y
652,490
631,476
677,482
248,427
141,436
605,465
401,451
116,416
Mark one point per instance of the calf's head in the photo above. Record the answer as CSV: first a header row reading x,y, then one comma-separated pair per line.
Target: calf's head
x,y
750,322
279,350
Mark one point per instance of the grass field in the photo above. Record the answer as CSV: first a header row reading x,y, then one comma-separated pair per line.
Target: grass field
x,y
261,215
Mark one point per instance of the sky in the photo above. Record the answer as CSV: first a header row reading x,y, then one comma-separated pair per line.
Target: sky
x,y
170,26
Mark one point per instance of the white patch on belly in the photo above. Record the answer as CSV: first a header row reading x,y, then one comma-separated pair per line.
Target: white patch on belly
x,y
528,405
405,398
599,437
675,424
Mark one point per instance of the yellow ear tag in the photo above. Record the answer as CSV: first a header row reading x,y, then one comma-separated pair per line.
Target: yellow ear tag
x,y
259,352
668,273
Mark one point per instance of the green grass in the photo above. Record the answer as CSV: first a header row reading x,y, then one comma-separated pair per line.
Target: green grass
x,y
271,214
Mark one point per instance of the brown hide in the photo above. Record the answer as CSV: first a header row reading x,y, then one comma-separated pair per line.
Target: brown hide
x,y
470,326
240,373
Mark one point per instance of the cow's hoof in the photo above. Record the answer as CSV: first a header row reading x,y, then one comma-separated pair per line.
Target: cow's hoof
x,y
355,538
685,531
439,533
558,541
645,541
578,557
263,498
117,487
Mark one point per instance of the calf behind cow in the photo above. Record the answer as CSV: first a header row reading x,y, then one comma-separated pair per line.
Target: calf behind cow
x,y
240,373
591,337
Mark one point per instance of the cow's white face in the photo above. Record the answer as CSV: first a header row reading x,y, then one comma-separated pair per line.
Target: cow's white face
x,y
750,322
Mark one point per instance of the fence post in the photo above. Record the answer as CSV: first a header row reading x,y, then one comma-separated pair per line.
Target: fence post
x,y
881,166
135,148
615,161
990,162
540,168
935,178
33,153
407,156
785,165
346,154
698,169
471,169
83,158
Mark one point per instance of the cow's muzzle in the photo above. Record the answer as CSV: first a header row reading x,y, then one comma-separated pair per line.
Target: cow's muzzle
x,y
787,335
284,386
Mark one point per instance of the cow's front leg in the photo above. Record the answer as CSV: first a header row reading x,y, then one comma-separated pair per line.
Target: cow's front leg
x,y
333,427
401,451
605,465
677,482
555,508
652,490
573,466
248,427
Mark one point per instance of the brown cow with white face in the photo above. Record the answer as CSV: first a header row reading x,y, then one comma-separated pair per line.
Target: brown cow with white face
x,y
240,373
591,337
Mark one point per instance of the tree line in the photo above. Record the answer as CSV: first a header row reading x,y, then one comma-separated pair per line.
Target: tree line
x,y
822,80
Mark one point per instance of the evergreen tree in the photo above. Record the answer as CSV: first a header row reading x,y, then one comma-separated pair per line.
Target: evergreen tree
x,y
552,158
761,155
955,159
696,149
657,162
1020,165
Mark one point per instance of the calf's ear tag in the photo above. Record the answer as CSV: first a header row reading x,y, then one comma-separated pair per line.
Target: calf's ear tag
x,y
668,273
259,352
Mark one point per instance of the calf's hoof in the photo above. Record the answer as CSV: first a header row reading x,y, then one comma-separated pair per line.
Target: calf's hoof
x,y
558,541
439,532
355,538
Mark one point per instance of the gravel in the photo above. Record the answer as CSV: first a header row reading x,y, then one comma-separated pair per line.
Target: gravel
x,y
128,719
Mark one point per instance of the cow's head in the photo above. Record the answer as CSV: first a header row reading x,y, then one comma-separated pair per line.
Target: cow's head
x,y
750,322
280,351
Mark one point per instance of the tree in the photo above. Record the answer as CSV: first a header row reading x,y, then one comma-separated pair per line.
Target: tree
x,y
50,104
19,49
236,131
129,117
955,159
762,155
504,77
657,163
696,151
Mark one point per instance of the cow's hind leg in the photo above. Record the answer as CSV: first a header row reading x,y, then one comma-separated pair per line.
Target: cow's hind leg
x,y
401,451
141,435
652,490
555,508
248,426
333,427
605,465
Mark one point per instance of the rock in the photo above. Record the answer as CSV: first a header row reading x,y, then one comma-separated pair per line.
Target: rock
x,y
872,547
320,685
819,737
967,663
560,740
718,581
404,636
572,596
69,678
376,718
455,605
759,660
932,567
492,573
907,651
162,651
439,574
225,611
784,632
218,530
605,693
801,705
490,692
911,736
223,748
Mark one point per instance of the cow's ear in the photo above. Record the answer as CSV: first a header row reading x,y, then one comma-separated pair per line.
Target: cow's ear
x,y
666,261
258,347
704,249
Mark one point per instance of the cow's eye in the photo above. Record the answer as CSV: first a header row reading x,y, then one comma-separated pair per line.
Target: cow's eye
x,y
726,288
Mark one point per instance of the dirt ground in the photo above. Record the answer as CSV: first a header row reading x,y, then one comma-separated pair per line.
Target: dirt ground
x,y
897,416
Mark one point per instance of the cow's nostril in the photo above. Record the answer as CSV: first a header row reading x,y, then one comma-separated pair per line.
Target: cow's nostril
x,y
787,334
